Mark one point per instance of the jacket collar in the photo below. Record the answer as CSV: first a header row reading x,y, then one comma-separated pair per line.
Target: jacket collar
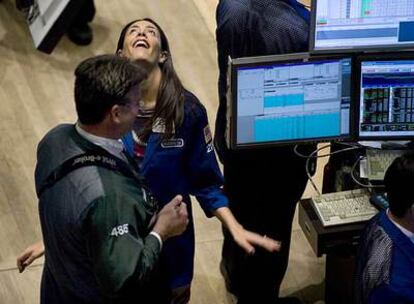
x,y
399,239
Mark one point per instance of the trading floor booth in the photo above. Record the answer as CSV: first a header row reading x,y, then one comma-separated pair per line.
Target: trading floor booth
x,y
353,92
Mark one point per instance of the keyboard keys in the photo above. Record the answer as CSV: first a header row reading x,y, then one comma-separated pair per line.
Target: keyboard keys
x,y
344,207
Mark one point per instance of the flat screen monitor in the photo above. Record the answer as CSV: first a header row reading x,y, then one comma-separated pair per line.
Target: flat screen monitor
x,y
289,99
349,25
386,97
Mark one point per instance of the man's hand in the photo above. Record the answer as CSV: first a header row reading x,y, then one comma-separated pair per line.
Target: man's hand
x,y
172,220
30,254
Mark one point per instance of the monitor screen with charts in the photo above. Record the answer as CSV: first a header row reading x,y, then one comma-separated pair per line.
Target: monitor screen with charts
x,y
362,24
289,99
386,101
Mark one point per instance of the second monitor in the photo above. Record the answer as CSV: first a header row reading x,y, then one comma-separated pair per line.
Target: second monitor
x,y
386,97
289,99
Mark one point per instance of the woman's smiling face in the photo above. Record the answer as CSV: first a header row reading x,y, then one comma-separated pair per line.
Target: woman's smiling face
x,y
142,42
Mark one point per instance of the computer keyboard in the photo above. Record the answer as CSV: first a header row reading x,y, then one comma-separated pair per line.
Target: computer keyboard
x,y
344,207
378,162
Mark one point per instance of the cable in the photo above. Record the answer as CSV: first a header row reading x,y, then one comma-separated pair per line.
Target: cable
x,y
310,156
309,175
314,154
295,150
343,150
351,147
350,144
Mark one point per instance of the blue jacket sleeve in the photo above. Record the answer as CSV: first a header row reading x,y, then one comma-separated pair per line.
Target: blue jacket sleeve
x,y
128,142
205,176
385,294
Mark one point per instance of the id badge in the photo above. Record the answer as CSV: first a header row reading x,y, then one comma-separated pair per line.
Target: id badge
x,y
172,143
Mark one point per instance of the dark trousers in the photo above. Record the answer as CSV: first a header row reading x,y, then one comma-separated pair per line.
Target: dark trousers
x,y
263,188
85,14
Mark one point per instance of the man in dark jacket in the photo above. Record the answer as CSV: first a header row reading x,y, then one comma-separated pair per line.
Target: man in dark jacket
x,y
263,185
102,239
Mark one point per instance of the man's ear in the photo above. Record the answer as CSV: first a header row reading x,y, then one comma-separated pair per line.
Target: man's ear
x,y
120,53
115,114
163,57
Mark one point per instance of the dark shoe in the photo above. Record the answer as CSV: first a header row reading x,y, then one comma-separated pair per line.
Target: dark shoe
x,y
80,34
288,300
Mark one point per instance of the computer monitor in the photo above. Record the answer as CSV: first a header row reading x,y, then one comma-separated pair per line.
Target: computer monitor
x,y
350,25
386,97
287,99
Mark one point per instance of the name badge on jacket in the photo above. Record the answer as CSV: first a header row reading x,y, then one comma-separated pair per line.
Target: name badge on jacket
x,y
172,143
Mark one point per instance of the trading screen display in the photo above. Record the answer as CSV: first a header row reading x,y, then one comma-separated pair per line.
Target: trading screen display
x,y
348,24
387,99
293,102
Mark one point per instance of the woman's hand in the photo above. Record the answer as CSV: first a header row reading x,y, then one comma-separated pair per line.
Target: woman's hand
x,y
30,254
249,240
244,238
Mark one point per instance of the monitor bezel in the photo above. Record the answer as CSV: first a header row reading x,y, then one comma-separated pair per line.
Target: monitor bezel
x,y
354,49
358,68
280,59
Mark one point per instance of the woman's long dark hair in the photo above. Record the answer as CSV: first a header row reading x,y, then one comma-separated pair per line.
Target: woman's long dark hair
x,y
170,100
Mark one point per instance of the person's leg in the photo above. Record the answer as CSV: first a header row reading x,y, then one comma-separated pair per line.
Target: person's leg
x,y
278,218
87,13
265,204
80,32
250,278
262,274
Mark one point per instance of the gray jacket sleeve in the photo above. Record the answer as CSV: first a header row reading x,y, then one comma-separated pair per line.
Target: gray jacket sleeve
x,y
122,252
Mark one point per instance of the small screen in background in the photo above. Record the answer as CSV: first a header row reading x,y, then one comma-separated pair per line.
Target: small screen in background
x,y
348,24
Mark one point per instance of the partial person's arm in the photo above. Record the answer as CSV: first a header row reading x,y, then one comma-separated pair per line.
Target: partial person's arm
x,y
244,238
206,180
123,251
385,294
29,255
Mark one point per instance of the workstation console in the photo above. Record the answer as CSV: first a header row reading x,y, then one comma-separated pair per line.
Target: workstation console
x,y
355,90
